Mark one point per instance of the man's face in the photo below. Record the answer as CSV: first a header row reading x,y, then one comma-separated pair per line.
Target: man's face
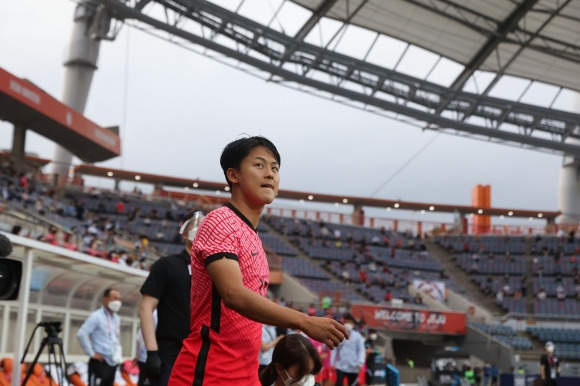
x,y
113,295
258,177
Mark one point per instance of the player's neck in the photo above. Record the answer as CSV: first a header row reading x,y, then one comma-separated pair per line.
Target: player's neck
x,y
251,213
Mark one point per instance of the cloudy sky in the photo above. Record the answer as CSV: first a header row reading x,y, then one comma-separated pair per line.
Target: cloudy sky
x,y
177,109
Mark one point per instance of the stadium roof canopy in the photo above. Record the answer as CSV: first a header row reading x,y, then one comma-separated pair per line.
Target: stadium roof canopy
x,y
28,106
199,187
441,65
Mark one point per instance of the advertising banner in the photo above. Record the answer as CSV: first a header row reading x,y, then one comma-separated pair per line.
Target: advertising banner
x,y
412,319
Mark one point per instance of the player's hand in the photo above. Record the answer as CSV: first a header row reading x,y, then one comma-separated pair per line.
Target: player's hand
x,y
153,364
98,357
325,330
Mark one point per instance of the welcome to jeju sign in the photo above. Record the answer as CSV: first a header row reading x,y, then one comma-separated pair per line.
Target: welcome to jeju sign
x,y
412,319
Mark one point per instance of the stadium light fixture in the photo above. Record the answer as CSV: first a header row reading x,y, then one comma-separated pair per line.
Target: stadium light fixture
x,y
311,197
227,188
480,211
301,201
388,208
501,217
110,174
531,219
540,215
195,184
510,213
396,205
431,208
423,211
138,177
345,200
186,188
336,204
218,192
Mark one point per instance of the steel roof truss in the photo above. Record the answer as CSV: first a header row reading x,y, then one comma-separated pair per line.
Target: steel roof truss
x,y
413,97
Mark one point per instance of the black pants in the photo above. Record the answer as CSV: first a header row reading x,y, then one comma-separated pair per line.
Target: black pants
x,y
351,377
370,374
101,374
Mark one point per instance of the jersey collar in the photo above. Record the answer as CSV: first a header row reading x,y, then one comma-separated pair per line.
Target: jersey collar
x,y
240,215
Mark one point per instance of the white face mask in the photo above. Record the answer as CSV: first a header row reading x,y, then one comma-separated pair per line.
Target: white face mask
x,y
348,327
373,336
307,380
114,305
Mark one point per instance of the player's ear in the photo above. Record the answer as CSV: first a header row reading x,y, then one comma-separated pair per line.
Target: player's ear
x,y
233,175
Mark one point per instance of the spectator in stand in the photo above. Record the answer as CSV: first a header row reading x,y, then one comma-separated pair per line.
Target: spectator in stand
x,y
524,284
560,293
120,207
506,286
541,294
418,300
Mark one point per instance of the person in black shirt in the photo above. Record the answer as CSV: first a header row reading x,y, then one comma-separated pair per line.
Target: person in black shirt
x,y
167,289
372,353
549,366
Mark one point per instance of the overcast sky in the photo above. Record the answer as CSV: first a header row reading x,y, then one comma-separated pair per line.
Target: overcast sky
x,y
181,108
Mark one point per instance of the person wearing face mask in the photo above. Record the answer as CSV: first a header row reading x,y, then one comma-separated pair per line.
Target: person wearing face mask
x,y
295,361
549,366
167,290
350,355
99,337
372,352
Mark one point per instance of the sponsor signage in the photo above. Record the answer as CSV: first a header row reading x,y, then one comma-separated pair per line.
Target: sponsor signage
x,y
36,99
412,319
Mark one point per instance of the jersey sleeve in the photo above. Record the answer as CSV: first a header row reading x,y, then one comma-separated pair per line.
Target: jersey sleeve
x,y
216,238
154,285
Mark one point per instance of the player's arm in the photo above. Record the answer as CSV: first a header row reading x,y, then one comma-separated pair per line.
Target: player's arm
x,y
542,371
148,305
227,277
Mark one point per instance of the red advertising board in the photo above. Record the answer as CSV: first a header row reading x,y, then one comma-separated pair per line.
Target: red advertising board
x,y
30,106
412,319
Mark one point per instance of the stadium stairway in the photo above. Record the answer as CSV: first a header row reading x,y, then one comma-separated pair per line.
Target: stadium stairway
x,y
302,255
461,278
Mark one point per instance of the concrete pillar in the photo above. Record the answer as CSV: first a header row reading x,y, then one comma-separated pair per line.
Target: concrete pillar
x,y
80,65
569,185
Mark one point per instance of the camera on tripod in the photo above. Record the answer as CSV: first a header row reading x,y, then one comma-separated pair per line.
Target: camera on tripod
x,y
52,328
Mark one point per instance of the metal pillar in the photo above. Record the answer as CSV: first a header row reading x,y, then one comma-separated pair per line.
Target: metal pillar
x,y
569,185
17,153
80,65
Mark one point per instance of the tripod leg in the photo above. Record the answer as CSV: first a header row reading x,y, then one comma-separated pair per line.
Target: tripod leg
x,y
35,361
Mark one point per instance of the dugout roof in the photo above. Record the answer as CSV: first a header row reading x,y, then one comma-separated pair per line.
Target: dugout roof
x,y
27,105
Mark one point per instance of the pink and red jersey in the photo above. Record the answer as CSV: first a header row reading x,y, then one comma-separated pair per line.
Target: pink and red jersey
x,y
223,346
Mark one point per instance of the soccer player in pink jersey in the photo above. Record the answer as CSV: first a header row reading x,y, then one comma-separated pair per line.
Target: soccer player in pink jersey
x,y
230,278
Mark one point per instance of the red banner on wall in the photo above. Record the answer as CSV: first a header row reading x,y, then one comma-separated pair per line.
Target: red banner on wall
x,y
411,319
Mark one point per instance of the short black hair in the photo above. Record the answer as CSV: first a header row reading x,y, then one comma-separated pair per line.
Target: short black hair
x,y
108,292
236,151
